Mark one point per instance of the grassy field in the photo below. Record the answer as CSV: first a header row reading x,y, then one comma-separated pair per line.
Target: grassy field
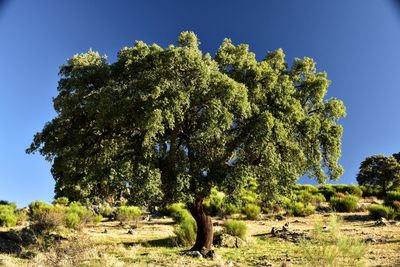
x,y
359,242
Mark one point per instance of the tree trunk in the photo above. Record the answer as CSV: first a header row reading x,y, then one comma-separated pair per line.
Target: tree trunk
x,y
204,237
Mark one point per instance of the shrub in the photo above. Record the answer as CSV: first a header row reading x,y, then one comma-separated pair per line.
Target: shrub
x,y
370,191
299,209
38,208
98,218
251,211
379,211
76,215
8,215
46,216
106,211
230,208
128,214
348,189
347,203
391,197
327,191
63,201
178,212
185,232
308,210
306,187
308,197
236,228
213,204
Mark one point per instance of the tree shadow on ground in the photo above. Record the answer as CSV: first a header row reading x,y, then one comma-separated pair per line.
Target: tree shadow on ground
x,y
356,217
167,242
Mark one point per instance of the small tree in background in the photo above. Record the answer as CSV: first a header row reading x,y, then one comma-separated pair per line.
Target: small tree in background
x,y
381,171
162,125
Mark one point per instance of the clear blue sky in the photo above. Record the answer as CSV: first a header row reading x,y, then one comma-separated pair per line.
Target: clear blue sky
x,y
356,42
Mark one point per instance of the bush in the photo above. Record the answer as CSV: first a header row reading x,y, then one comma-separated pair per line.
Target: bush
x,y
251,211
46,216
306,187
348,189
185,232
178,212
63,201
213,204
379,211
106,211
128,214
370,191
391,197
38,208
76,215
310,198
98,218
299,209
327,191
8,215
236,228
347,203
230,208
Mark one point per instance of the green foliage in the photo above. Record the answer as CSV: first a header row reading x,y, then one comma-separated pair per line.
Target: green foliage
x,y
392,198
185,232
8,215
346,203
379,211
46,216
230,208
382,171
127,214
97,219
214,202
251,211
186,228
236,228
348,189
308,197
77,215
37,209
178,212
371,191
61,201
299,209
327,191
161,124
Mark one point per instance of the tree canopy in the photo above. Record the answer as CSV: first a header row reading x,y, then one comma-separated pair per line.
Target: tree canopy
x,y
382,171
167,124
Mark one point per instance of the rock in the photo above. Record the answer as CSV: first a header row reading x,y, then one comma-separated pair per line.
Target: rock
x,y
228,241
208,253
194,254
381,222
105,231
370,240
130,232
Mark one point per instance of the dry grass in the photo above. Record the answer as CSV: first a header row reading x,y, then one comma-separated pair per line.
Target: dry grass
x,y
150,245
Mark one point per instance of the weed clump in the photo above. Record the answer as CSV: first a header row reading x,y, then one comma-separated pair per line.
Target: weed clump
x,y
251,211
379,211
236,228
8,215
344,203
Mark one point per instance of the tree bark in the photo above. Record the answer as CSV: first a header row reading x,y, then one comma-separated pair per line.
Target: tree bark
x,y
204,237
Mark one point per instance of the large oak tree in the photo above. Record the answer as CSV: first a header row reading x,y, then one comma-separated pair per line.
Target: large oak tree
x,y
167,124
